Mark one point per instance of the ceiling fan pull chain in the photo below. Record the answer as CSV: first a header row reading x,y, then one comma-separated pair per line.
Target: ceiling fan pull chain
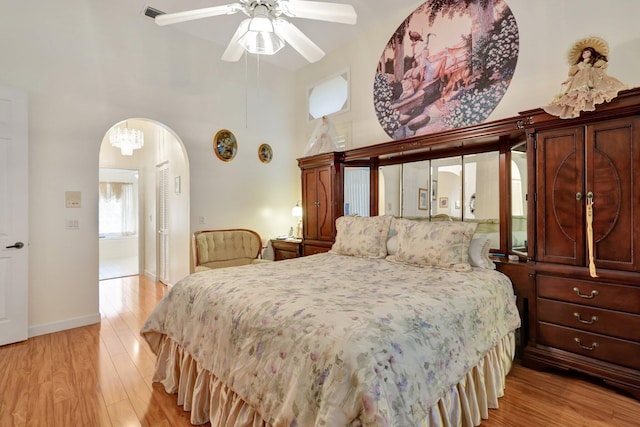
x,y
246,91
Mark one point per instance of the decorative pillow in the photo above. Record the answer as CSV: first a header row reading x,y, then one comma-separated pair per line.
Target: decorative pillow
x,y
479,253
364,237
442,244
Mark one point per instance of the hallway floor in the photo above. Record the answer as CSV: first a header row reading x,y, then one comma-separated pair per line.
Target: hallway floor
x,y
118,267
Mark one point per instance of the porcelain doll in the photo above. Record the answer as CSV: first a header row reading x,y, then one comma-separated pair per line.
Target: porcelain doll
x,y
323,139
588,84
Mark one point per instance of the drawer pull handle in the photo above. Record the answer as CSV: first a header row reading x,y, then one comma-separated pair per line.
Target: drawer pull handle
x,y
593,345
593,293
593,320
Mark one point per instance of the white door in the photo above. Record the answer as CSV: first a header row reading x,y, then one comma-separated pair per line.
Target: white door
x,y
14,224
163,223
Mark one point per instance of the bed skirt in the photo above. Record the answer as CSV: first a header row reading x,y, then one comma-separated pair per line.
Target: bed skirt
x,y
208,399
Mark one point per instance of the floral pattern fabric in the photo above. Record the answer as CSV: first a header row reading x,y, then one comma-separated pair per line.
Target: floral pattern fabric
x,y
330,340
362,236
442,244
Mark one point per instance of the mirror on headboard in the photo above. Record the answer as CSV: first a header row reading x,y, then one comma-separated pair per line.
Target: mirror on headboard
x,y
415,189
482,194
390,190
457,188
356,190
475,174
519,199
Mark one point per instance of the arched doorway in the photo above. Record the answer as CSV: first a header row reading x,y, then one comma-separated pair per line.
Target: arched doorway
x,y
161,194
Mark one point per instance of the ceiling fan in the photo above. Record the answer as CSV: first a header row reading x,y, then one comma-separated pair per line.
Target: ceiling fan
x,y
267,26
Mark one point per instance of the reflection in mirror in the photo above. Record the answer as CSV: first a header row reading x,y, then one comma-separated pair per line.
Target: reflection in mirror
x,y
415,189
519,198
454,188
356,191
389,190
446,186
482,194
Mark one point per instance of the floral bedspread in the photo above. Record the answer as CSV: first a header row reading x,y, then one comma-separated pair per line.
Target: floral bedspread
x,y
331,340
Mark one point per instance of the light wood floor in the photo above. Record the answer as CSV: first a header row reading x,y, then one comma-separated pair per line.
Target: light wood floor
x,y
100,375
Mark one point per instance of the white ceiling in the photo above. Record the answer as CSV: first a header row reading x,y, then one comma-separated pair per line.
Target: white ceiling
x,y
327,35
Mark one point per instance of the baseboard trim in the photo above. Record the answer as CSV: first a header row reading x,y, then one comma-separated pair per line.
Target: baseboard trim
x,y
150,275
63,325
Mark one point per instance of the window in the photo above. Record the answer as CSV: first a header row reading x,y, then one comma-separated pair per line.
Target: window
x,y
329,96
118,209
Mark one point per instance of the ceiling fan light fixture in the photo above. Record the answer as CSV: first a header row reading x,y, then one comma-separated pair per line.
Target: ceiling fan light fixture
x,y
260,37
267,29
261,43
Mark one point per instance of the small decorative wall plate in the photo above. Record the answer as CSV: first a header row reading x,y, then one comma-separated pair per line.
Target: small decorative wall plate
x,y
225,145
265,153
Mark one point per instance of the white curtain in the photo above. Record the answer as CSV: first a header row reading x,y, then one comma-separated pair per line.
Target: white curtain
x,y
118,209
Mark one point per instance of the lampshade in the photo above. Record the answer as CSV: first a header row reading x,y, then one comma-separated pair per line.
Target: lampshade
x,y
260,37
297,211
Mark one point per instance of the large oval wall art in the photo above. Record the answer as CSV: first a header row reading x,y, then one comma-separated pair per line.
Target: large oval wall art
x,y
447,66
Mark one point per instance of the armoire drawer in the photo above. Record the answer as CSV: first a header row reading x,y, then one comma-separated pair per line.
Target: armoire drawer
x,y
590,319
620,352
595,294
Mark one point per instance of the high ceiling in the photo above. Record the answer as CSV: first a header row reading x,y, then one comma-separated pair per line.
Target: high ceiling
x,y
327,35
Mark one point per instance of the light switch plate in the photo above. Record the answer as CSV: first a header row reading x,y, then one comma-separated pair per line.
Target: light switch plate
x,y
73,199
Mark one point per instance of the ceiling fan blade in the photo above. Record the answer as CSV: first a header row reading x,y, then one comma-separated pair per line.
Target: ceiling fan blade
x,y
322,11
234,50
190,15
296,38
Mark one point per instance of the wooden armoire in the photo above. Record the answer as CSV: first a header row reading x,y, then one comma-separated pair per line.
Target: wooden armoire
x,y
322,195
585,309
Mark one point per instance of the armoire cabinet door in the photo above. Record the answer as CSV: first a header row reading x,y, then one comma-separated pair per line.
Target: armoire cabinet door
x,y
613,176
309,189
325,204
598,159
317,185
560,196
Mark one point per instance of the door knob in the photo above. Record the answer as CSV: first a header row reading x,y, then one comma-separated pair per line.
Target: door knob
x,y
17,245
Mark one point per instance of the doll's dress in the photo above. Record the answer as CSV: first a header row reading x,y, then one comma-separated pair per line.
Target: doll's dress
x,y
322,140
586,87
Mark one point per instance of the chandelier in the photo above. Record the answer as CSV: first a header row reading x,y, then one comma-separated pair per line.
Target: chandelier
x,y
126,139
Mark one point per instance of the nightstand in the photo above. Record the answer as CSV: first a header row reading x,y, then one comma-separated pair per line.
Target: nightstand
x,y
286,249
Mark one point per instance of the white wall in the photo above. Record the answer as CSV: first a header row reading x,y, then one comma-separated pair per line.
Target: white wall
x,y
117,249
547,29
88,64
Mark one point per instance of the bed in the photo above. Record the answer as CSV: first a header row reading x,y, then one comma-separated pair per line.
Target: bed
x,y
369,334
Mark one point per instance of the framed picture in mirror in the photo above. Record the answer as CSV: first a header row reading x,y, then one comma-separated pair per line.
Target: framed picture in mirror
x,y
423,199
